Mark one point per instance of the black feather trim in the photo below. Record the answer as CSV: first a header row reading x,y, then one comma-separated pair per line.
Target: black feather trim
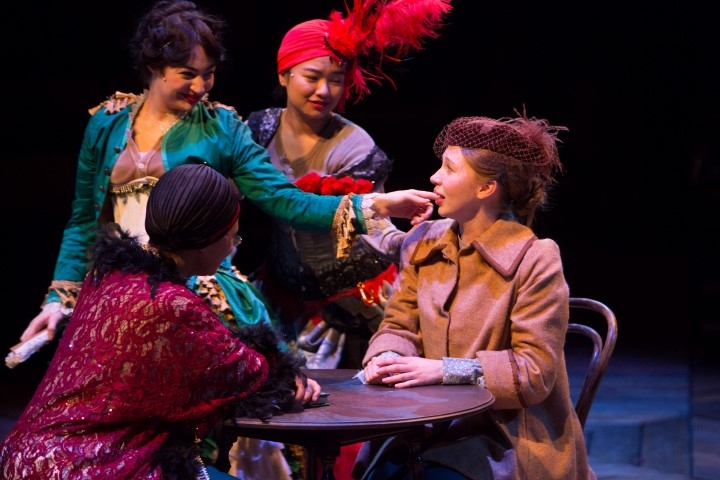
x,y
277,394
115,249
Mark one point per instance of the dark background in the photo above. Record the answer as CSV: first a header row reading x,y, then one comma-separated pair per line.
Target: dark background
x,y
634,213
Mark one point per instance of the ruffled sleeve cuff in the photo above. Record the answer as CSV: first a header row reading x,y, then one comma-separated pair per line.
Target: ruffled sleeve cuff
x,y
347,226
62,296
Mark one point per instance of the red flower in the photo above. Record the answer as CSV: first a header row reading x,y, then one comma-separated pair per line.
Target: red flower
x,y
363,186
310,182
337,186
330,185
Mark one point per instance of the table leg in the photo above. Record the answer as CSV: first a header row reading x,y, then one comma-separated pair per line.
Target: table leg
x,y
328,465
310,463
415,461
225,440
326,455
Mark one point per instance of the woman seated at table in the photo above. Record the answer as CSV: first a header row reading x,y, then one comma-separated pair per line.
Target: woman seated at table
x,y
145,367
483,301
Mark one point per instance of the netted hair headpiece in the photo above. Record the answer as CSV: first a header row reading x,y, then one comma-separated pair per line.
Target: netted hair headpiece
x,y
531,141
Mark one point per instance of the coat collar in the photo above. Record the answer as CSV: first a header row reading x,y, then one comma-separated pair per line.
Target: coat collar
x,y
503,245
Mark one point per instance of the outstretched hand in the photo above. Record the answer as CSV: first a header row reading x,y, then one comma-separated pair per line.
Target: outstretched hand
x,y
413,204
308,390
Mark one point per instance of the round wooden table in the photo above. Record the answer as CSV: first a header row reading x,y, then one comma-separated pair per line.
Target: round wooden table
x,y
356,412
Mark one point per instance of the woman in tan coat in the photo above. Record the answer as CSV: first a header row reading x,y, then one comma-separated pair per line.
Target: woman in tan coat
x,y
482,300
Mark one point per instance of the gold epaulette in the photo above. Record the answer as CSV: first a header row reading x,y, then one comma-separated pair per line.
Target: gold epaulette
x,y
116,102
212,105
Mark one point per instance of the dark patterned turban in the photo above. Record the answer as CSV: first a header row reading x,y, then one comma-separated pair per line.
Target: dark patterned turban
x,y
190,207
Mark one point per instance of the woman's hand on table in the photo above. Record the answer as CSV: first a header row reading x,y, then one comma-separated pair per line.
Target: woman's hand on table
x,y
308,390
403,372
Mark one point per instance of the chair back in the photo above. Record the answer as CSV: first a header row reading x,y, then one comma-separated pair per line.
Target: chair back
x,y
603,342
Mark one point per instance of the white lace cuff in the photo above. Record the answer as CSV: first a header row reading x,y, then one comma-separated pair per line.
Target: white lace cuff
x,y
375,224
53,307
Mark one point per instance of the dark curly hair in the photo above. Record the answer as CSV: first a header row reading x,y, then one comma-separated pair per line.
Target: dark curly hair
x,y
167,34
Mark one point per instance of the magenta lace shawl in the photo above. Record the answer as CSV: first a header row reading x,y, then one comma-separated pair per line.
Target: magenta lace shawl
x,y
133,383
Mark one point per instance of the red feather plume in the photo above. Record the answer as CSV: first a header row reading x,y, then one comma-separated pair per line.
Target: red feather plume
x,y
382,30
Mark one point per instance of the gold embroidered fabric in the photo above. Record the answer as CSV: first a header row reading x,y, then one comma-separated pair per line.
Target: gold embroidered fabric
x,y
68,292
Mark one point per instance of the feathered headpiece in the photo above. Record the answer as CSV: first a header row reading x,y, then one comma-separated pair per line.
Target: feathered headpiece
x,y
372,31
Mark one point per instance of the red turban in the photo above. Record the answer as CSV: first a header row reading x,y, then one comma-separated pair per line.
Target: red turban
x,y
302,42
308,40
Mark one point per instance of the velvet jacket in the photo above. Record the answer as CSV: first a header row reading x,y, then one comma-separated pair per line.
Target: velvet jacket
x,y
503,299
212,133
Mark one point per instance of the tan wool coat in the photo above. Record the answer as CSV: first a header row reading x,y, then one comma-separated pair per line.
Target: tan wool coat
x,y
504,300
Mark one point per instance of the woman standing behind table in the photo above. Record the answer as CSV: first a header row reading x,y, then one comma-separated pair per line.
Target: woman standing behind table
x,y
131,140
482,300
145,366
321,64
336,301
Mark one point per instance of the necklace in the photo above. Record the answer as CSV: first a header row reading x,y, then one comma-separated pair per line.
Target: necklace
x,y
165,126
159,127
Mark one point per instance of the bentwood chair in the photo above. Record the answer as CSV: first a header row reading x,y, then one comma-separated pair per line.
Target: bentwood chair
x,y
602,331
